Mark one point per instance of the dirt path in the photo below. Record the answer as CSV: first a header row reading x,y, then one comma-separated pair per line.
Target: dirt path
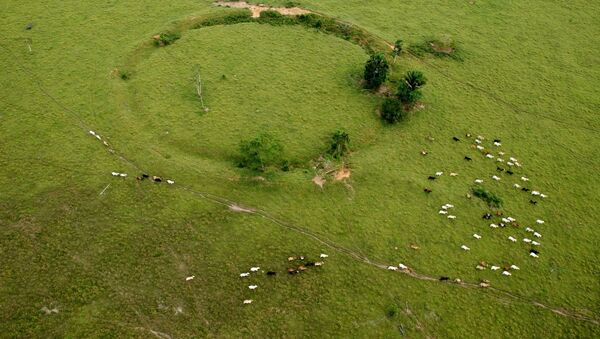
x,y
257,9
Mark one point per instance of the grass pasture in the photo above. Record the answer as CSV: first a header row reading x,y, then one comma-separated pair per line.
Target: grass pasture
x,y
114,264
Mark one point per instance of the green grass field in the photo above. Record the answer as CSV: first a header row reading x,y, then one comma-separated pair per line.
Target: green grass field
x,y
115,264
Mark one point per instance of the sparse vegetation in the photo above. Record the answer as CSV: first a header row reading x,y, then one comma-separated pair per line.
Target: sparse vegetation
x,y
398,45
165,39
260,153
340,144
490,198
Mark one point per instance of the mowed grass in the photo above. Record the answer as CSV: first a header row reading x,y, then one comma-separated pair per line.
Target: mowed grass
x,y
115,264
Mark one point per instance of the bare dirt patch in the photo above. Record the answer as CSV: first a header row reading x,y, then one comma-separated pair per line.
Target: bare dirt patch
x,y
319,181
257,9
342,174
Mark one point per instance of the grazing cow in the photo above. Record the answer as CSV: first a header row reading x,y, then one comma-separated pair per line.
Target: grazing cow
x,y
427,190
497,140
527,240
535,193
439,173
539,221
534,251
500,153
493,226
535,243
402,266
537,235
190,278
468,135
452,217
468,158
455,139
248,301
115,174
509,172
319,263
533,255
271,273
479,147
511,238
533,202
476,236
478,181
511,219
431,177
443,212
392,268
524,189
505,220
156,179
517,186
170,182
301,268
145,176
489,156
92,133
497,144
484,284
254,269
543,196
291,258
123,175
252,287
506,273
323,255
529,229
292,271
479,268
494,268
444,278
524,178
514,267
310,264
496,178
453,174
487,216
465,248
499,169
243,275
499,160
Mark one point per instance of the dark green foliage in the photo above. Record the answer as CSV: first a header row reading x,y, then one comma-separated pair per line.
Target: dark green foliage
x,y
490,198
230,18
276,18
392,311
291,4
340,144
397,48
376,70
409,90
391,110
261,152
165,39
125,75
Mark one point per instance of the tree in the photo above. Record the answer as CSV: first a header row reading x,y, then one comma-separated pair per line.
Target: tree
x,y
409,90
376,70
391,110
397,49
340,144
261,152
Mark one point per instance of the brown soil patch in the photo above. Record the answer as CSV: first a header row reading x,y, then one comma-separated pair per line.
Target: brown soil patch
x,y
319,181
257,9
442,49
342,174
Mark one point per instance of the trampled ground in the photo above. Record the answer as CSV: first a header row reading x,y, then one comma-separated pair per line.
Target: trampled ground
x,y
114,264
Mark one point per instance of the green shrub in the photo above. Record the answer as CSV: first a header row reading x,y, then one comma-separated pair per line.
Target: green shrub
x,y
490,198
391,110
392,311
444,47
125,75
276,18
230,18
165,39
340,144
397,49
260,153
409,90
376,70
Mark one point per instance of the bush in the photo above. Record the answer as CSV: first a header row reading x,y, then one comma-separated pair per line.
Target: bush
x,y
259,153
391,110
340,144
409,90
230,18
165,39
276,18
376,70
490,198
397,49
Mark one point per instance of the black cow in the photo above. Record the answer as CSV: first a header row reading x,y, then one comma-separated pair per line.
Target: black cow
x,y
444,278
455,139
271,273
468,158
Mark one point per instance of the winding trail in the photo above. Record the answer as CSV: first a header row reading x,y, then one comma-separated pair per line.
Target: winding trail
x,y
240,208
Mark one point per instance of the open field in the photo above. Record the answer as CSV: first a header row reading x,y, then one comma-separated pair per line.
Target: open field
x,y
111,255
